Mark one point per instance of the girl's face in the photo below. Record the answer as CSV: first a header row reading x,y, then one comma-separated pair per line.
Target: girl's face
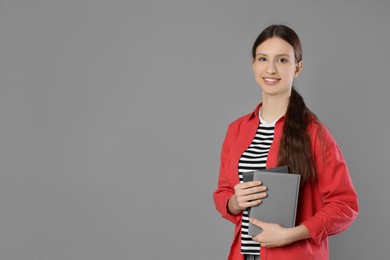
x,y
275,67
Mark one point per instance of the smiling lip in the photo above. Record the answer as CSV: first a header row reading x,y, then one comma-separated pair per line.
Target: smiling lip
x,y
271,81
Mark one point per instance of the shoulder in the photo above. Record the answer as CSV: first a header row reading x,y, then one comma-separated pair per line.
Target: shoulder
x,y
242,120
245,120
240,125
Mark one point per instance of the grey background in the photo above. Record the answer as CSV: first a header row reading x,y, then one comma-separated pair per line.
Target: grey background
x,y
112,116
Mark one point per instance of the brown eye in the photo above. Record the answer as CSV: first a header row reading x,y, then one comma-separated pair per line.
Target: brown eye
x,y
283,60
262,59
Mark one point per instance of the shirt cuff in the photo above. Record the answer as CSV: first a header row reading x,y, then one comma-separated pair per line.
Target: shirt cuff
x,y
317,230
225,211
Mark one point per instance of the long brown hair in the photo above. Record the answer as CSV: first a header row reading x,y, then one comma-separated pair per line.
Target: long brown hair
x,y
295,146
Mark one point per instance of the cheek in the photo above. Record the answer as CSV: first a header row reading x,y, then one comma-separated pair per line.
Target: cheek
x,y
290,74
257,69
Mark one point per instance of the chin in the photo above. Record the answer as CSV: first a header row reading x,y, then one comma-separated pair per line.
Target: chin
x,y
275,92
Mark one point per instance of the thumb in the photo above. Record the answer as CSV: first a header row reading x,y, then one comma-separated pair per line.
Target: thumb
x,y
257,222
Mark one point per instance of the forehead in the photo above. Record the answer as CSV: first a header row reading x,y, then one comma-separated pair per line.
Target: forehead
x,y
275,46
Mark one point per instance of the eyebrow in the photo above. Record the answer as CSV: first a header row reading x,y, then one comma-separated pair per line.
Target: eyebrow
x,y
263,54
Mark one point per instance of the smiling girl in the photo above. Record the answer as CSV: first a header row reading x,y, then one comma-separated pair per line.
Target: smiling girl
x,y
283,131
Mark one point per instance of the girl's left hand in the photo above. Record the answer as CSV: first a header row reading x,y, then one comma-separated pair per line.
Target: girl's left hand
x,y
273,235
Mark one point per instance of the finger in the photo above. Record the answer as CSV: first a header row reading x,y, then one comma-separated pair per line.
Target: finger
x,y
247,185
256,222
256,189
253,183
257,239
250,200
250,197
243,202
256,196
253,190
250,203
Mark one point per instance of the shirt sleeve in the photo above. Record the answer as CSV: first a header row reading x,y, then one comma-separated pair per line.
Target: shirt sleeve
x,y
340,204
225,188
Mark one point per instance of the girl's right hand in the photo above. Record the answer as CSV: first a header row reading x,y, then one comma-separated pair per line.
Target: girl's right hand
x,y
247,194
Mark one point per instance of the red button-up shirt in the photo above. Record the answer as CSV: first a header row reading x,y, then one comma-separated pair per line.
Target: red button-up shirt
x,y
326,206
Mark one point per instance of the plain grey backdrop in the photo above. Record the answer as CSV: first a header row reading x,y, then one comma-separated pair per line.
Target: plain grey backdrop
x,y
113,113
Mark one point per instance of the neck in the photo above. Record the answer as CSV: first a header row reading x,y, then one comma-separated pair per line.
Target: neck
x,y
273,107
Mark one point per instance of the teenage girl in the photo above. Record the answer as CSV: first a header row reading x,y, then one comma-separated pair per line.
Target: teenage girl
x,y
281,130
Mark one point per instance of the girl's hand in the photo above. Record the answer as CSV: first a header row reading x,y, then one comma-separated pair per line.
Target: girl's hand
x,y
274,235
247,194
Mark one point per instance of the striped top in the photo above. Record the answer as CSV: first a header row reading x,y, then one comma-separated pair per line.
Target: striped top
x,y
252,159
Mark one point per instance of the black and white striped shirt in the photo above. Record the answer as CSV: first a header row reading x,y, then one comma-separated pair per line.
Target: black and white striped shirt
x,y
254,158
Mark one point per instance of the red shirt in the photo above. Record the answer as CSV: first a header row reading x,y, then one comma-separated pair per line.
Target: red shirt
x,y
326,206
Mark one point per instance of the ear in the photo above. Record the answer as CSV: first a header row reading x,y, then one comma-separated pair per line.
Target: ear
x,y
298,69
253,65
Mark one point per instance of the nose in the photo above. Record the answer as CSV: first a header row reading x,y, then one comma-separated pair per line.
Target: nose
x,y
271,68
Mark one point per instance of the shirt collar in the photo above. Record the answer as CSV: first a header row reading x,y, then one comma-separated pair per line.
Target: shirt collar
x,y
255,113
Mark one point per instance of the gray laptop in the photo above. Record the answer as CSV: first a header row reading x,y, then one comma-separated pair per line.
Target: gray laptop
x,y
280,205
